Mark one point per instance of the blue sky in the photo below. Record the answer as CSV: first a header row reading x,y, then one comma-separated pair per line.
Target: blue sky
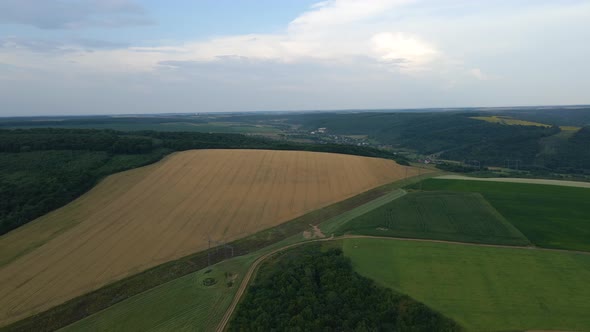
x,y
126,56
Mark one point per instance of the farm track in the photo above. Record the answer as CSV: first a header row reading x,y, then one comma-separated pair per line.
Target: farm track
x,y
254,267
564,183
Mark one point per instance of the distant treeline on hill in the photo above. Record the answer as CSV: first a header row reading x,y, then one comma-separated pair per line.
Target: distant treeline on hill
x,y
450,135
43,169
140,142
179,141
457,136
96,120
25,140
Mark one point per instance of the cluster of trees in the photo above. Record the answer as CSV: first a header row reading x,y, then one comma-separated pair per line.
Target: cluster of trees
x,y
308,289
42,169
24,140
35,182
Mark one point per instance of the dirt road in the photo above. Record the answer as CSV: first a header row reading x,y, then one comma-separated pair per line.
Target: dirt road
x,y
251,272
519,180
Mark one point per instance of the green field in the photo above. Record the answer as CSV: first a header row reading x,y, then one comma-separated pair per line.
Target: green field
x,y
330,226
549,216
452,216
184,304
483,288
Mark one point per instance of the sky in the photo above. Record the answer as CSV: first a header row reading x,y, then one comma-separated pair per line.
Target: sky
x,y
71,57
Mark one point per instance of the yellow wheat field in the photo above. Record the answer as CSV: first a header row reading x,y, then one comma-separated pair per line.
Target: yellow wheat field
x,y
140,218
506,120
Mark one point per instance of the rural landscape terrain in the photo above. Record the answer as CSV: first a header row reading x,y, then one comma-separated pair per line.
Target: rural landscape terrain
x,y
141,229
141,218
294,165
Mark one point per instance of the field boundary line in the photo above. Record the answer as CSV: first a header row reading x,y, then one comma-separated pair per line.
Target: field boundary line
x,y
472,244
563,183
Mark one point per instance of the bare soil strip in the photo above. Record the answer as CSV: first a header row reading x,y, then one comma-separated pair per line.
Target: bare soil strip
x,y
519,180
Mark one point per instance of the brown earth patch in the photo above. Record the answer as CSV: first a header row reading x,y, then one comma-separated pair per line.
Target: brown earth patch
x,y
317,232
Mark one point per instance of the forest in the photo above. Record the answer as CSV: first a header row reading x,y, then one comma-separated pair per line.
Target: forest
x,y
573,155
312,289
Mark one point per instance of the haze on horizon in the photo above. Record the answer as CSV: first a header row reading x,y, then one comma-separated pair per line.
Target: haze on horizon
x,y
70,57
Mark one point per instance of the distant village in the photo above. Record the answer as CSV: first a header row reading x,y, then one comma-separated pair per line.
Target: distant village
x,y
321,135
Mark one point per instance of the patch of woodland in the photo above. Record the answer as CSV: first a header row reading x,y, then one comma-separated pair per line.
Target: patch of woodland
x,y
312,289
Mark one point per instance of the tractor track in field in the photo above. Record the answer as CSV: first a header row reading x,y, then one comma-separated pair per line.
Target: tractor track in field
x,y
254,267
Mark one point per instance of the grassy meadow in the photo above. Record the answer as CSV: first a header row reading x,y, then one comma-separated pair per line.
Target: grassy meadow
x,y
184,304
451,216
549,216
482,288
332,225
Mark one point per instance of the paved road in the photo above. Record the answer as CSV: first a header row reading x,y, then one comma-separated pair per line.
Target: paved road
x,y
254,267
520,180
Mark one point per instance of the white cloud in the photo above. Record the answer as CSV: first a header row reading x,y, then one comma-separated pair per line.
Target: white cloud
x,y
408,51
336,31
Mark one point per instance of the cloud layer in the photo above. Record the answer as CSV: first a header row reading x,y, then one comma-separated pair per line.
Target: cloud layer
x,y
337,54
336,31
